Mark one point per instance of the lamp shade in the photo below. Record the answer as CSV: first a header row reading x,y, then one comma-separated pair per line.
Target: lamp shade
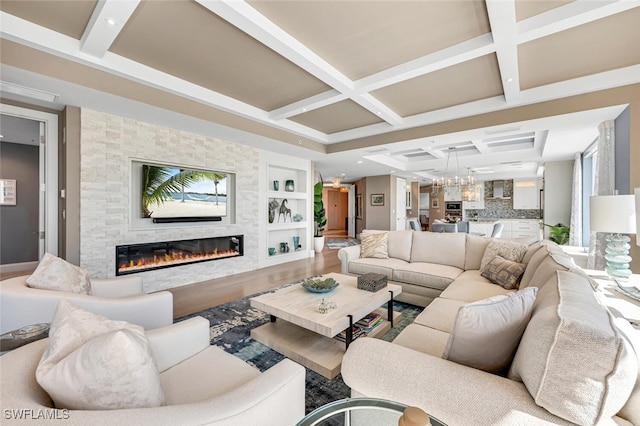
x,y
613,213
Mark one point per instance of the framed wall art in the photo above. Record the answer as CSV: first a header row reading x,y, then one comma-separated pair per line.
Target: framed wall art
x,y
377,199
7,192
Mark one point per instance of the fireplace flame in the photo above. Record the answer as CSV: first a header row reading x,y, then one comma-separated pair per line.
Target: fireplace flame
x,y
175,258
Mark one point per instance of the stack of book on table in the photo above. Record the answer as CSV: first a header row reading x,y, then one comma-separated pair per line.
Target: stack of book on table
x,y
362,327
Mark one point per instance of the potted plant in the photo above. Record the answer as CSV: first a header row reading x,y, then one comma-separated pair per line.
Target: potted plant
x,y
319,217
559,233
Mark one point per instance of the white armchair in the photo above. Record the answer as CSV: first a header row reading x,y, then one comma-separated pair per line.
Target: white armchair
x,y
119,298
202,384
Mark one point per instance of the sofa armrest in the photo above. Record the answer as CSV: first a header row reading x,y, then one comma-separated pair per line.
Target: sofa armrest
x,y
177,342
21,305
116,287
346,255
453,393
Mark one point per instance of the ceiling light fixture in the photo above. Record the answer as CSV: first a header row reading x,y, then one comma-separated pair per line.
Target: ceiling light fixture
x,y
110,21
465,185
336,182
28,92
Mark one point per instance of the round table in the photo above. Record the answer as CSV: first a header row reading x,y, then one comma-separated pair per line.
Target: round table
x,y
359,411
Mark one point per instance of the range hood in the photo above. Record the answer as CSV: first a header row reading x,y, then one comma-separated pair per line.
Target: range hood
x,y
498,191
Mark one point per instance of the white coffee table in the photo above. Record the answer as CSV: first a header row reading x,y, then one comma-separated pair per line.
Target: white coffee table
x,y
301,333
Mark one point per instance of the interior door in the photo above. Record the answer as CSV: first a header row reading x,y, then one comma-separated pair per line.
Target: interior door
x,y
401,206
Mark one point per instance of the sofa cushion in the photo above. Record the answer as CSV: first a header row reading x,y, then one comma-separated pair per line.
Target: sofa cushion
x,y
374,244
630,410
441,314
399,245
550,264
510,250
427,247
531,250
57,274
474,251
422,339
379,266
486,333
472,291
503,272
94,363
534,260
472,275
572,360
426,274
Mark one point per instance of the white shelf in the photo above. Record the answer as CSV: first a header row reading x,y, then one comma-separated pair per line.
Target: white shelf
x,y
286,225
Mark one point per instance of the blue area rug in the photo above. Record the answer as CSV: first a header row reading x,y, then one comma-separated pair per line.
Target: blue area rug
x,y
232,322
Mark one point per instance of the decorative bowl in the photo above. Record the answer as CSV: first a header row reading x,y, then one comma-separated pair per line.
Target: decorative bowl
x,y
319,285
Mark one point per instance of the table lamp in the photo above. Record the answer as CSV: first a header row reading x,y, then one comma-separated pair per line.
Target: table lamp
x,y
616,215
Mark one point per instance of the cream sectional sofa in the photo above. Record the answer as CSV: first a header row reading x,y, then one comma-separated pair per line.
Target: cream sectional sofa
x,y
575,362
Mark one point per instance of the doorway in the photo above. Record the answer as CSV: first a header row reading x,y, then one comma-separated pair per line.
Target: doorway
x,y
337,210
39,193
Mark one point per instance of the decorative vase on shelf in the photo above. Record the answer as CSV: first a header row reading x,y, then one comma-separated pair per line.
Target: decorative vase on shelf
x,y
276,185
296,243
288,186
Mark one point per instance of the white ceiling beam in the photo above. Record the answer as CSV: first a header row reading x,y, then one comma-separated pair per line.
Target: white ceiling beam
x,y
320,100
480,146
108,19
502,17
570,15
44,39
241,15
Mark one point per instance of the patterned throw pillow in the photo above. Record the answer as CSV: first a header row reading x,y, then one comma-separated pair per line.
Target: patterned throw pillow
x,y
374,244
503,272
94,363
57,274
510,250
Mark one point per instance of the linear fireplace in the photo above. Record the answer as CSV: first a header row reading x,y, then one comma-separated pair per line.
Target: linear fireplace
x,y
134,258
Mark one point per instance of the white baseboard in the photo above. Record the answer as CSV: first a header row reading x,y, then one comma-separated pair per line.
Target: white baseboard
x,y
15,267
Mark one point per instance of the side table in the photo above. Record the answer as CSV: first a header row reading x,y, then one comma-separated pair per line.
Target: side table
x,y
23,336
619,298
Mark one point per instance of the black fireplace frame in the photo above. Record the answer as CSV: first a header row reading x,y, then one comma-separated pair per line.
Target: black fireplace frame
x,y
133,250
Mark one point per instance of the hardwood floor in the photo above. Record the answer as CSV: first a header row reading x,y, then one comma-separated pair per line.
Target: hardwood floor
x,y
196,297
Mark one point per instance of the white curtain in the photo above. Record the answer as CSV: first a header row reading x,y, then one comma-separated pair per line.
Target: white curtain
x,y
604,184
575,228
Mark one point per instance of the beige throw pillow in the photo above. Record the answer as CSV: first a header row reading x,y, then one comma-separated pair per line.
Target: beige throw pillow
x,y
503,272
57,274
94,363
374,244
510,250
486,333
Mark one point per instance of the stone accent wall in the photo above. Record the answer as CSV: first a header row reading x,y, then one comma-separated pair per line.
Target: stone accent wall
x,y
108,143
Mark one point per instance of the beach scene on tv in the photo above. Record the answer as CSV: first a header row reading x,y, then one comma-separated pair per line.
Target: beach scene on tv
x,y
175,192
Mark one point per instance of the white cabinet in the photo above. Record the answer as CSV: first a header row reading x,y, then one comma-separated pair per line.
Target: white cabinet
x,y
452,193
481,228
288,210
516,228
526,194
475,205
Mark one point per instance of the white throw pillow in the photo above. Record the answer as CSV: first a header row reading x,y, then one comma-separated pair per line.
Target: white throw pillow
x,y
486,333
94,363
374,244
510,250
57,274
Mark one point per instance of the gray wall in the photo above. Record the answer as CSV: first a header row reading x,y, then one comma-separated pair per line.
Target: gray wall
x,y
623,152
378,217
558,178
19,223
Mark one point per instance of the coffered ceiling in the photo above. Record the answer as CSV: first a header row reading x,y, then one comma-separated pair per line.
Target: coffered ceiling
x,y
353,85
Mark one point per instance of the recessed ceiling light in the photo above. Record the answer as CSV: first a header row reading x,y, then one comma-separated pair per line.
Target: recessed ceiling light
x,y
509,80
392,171
110,21
359,161
304,110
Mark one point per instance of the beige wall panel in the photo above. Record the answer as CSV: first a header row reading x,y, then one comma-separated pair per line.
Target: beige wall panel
x,y
336,117
67,17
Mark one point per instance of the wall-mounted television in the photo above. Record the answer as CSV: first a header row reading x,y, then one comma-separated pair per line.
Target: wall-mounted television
x,y
170,193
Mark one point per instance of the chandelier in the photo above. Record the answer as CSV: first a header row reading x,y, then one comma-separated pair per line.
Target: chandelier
x,y
466,186
336,182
